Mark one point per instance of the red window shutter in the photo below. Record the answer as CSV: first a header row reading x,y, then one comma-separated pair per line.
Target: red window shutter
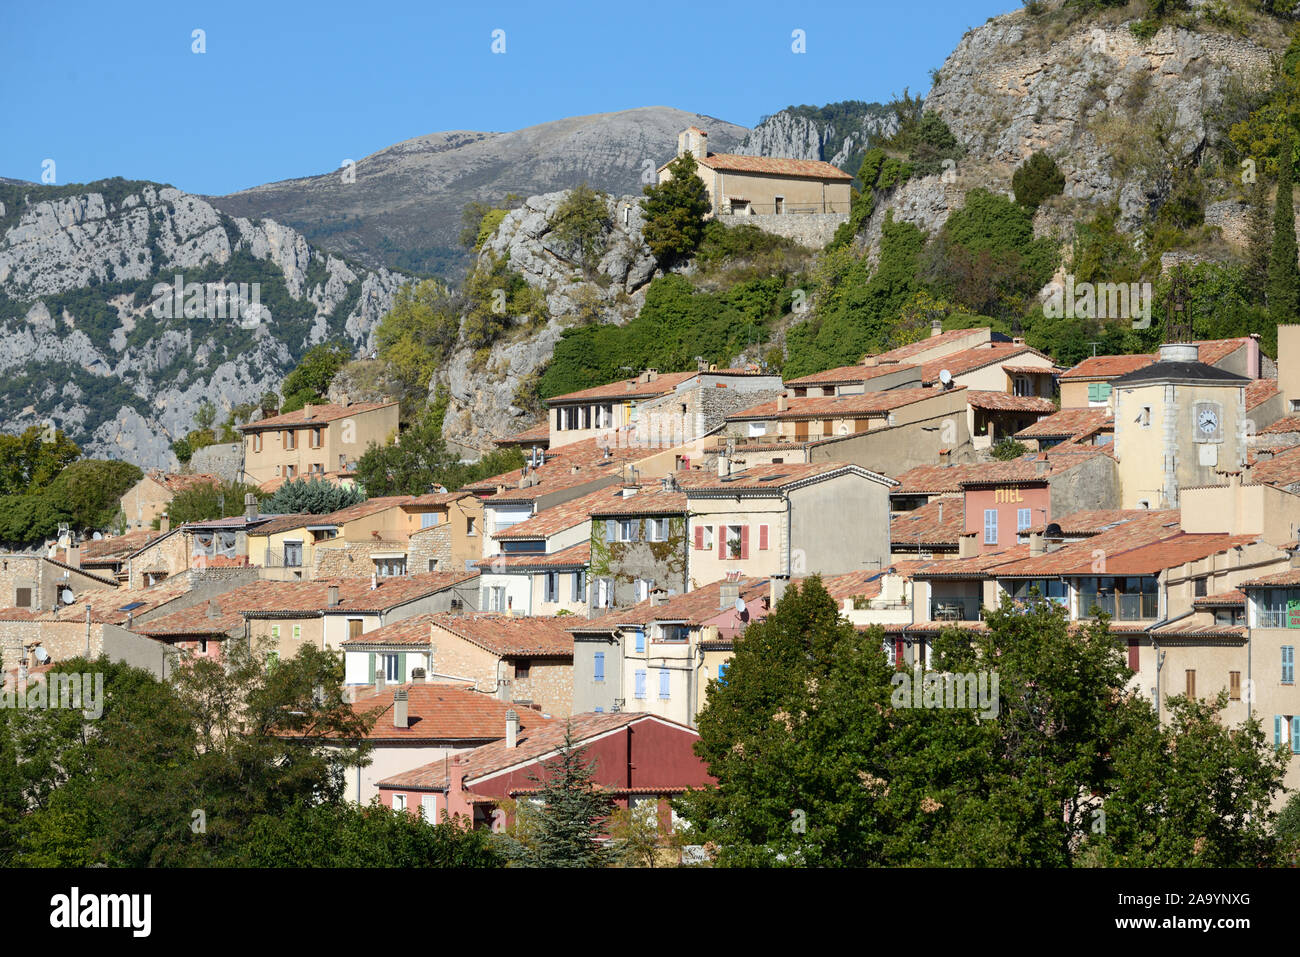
x,y
722,542
699,537
1133,654
900,649
762,538
744,542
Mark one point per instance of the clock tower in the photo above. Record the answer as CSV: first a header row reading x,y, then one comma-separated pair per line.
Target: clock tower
x,y
1178,423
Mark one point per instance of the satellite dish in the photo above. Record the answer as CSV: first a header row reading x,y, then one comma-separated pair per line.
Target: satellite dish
x,y
945,377
41,654
740,604
97,536
66,596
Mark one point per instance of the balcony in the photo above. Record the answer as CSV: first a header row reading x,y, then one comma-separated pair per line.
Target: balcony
x,y
955,609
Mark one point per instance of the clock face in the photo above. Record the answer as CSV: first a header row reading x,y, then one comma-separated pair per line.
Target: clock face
x,y
1208,421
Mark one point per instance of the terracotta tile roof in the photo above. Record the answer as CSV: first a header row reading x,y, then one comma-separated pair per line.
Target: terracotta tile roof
x,y
443,712
363,509
1289,577
437,498
1225,599
320,414
1289,423
107,605
848,375
216,616
574,556
310,598
1281,470
288,522
557,518
1158,552
934,479
1068,423
969,360
921,346
538,434
863,584
536,742
558,471
1005,402
775,166
977,566
115,548
654,500
1209,351
662,384
1032,370
412,631
772,478
1090,522
180,481
510,636
696,607
1260,391
938,522
864,404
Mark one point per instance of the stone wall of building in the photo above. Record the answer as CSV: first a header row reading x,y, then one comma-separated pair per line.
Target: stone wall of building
x,y
813,230
224,460
431,544
352,559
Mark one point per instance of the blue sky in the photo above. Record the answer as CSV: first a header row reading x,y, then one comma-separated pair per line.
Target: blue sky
x,y
287,89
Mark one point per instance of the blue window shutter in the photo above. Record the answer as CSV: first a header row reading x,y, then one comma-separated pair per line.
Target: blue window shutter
x,y
1288,664
640,640
1295,734
371,679
990,526
599,710
722,673
600,666
640,682
609,530
1277,731
665,686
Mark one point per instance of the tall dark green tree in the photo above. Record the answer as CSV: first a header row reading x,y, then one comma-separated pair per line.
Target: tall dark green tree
x,y
564,826
1283,267
675,211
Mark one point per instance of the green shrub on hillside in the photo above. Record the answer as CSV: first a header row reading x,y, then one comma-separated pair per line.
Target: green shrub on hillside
x,y
1036,179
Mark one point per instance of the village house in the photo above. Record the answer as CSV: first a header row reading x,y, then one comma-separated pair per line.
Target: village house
x,y
639,760
315,441
420,722
763,185
1262,682
1087,426
639,545
786,520
658,656
1089,384
541,583
149,498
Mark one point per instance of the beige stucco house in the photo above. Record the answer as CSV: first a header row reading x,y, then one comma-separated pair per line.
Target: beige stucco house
x,y
319,441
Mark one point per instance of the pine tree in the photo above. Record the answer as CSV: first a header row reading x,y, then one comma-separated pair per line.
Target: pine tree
x,y
564,829
675,211
1283,270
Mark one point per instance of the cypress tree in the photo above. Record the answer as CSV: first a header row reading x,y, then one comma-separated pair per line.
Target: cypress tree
x,y
1283,270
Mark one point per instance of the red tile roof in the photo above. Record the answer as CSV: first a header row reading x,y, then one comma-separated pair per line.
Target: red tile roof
x,y
977,357
571,557
1209,351
1004,402
1090,522
1068,423
775,166
320,414
310,598
1259,391
662,384
558,471
509,636
848,375
693,607
1224,599
444,712
557,518
538,434
115,548
1281,470
1289,423
934,479
773,478
863,404
413,631
180,481
938,522
654,500
1289,577
921,346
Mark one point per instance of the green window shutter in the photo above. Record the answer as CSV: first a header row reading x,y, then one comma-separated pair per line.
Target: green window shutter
x,y
1103,390
1092,392
401,667
371,656
1277,731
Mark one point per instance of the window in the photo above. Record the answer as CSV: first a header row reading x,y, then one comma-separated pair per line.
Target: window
x,y
599,667
1052,589
627,531
990,526
428,519
433,564
722,673
1278,607
469,525
390,567
293,554
316,438
1200,587
290,471
428,803
1098,392
674,633
1144,417
657,530
640,683
275,634
579,592
392,670
1229,616
1024,518
522,668
1295,735
552,588
290,440
1191,682
1022,386
1234,685
496,598
704,537
24,599
641,589
317,468
1288,664
1277,730
1127,599
354,627
399,802
640,641
257,441
203,646
297,632
665,683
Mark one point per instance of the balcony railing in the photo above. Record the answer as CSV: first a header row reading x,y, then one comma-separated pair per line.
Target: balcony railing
x,y
954,609
784,209
288,558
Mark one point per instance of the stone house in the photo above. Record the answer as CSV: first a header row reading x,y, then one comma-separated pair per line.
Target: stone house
x,y
316,440
149,498
639,545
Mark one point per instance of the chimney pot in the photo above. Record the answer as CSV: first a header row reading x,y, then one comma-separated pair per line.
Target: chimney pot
x,y
417,676
250,506
936,328
164,523
783,402
401,708
776,588
512,728
334,596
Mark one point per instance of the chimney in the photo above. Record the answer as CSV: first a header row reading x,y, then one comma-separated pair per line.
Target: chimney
x,y
214,610
967,547
512,728
417,676
307,410
728,592
936,328
334,596
74,556
401,708
631,385
870,361
1035,544
374,581
250,506
776,589
651,375
1018,340
379,679
1042,467
783,402
945,457
345,400
1295,558
164,523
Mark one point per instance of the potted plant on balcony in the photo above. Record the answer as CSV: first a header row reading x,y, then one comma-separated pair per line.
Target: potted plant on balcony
x,y
733,546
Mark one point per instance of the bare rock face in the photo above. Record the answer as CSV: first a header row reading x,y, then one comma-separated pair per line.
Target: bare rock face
x,y
482,405
794,134
85,342
1088,97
